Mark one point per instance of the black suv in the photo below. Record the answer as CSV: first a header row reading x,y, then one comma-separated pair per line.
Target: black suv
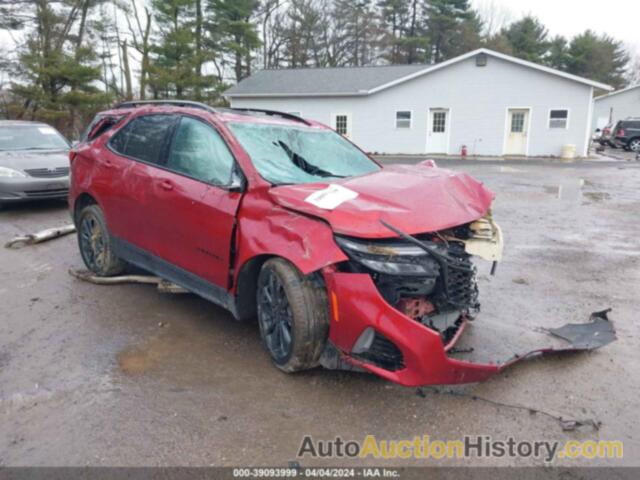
x,y
627,134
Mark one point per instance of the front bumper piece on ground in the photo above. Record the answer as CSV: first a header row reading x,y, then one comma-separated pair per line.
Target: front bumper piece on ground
x,y
414,354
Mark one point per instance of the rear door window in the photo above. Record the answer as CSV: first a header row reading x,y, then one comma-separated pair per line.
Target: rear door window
x,y
199,152
100,125
145,138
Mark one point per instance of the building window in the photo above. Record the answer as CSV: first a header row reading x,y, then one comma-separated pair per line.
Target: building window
x,y
403,119
558,119
342,125
517,122
439,122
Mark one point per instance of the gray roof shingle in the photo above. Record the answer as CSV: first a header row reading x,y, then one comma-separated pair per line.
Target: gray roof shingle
x,y
321,81
364,80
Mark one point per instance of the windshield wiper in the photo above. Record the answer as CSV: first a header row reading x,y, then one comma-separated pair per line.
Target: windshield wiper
x,y
300,162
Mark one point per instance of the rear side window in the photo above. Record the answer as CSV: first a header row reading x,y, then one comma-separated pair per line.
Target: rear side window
x,y
100,125
144,138
635,125
198,151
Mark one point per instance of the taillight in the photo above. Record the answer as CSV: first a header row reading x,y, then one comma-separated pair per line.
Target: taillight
x,y
620,133
606,131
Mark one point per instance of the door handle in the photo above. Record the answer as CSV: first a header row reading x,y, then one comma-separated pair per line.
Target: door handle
x,y
166,185
107,163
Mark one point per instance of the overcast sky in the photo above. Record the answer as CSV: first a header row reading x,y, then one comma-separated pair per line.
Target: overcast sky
x,y
617,18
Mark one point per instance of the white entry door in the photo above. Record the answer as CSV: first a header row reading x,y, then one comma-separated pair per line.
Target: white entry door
x,y
438,131
517,131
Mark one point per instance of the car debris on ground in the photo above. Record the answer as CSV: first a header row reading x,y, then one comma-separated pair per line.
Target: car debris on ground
x,y
163,286
39,237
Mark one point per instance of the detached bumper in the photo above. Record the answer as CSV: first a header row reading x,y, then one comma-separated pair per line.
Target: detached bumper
x,y
356,305
31,188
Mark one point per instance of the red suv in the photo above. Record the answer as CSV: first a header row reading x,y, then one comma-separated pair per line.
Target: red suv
x,y
343,261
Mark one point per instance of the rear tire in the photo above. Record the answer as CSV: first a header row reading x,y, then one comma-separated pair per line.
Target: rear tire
x,y
293,315
94,242
634,145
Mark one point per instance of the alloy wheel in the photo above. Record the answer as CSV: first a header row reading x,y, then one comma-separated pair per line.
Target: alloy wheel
x,y
92,243
275,317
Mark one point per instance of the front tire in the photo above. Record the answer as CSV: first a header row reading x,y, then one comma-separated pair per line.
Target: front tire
x,y
94,242
292,314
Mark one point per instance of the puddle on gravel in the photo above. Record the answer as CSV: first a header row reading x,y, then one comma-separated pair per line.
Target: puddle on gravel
x,y
575,190
138,359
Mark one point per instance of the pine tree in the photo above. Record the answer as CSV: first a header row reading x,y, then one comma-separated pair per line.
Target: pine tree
x,y
394,15
173,71
558,56
58,69
528,39
414,42
447,21
598,57
233,31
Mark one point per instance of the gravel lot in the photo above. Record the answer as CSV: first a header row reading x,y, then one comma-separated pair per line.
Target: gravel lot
x,y
124,375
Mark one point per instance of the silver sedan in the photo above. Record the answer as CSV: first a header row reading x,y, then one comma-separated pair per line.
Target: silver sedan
x,y
34,162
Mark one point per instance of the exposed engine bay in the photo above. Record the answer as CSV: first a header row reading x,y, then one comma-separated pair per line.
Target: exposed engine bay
x,y
428,277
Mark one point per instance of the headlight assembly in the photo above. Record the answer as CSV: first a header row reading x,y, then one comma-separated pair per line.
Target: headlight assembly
x,y
11,173
390,258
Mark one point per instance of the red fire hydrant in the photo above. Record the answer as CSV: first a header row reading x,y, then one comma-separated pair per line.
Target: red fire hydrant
x,y
463,151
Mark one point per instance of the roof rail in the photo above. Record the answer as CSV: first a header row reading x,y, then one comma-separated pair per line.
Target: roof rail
x,y
175,103
273,113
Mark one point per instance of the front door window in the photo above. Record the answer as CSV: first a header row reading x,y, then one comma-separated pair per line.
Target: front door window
x,y
517,122
199,152
439,122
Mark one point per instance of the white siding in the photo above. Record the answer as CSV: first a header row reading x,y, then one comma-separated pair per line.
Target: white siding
x,y
478,99
619,106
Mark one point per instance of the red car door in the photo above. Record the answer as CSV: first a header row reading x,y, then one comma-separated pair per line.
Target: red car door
x,y
193,209
132,156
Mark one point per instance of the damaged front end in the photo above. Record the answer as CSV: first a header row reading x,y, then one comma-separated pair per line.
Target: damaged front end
x,y
430,278
400,304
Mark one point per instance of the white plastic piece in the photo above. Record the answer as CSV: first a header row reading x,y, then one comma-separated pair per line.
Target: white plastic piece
x,y
331,197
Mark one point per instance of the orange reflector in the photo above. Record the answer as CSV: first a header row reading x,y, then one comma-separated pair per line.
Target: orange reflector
x,y
334,306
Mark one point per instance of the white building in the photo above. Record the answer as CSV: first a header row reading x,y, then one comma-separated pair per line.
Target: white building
x,y
492,103
615,106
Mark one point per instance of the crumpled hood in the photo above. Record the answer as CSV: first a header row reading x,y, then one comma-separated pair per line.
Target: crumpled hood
x,y
414,198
